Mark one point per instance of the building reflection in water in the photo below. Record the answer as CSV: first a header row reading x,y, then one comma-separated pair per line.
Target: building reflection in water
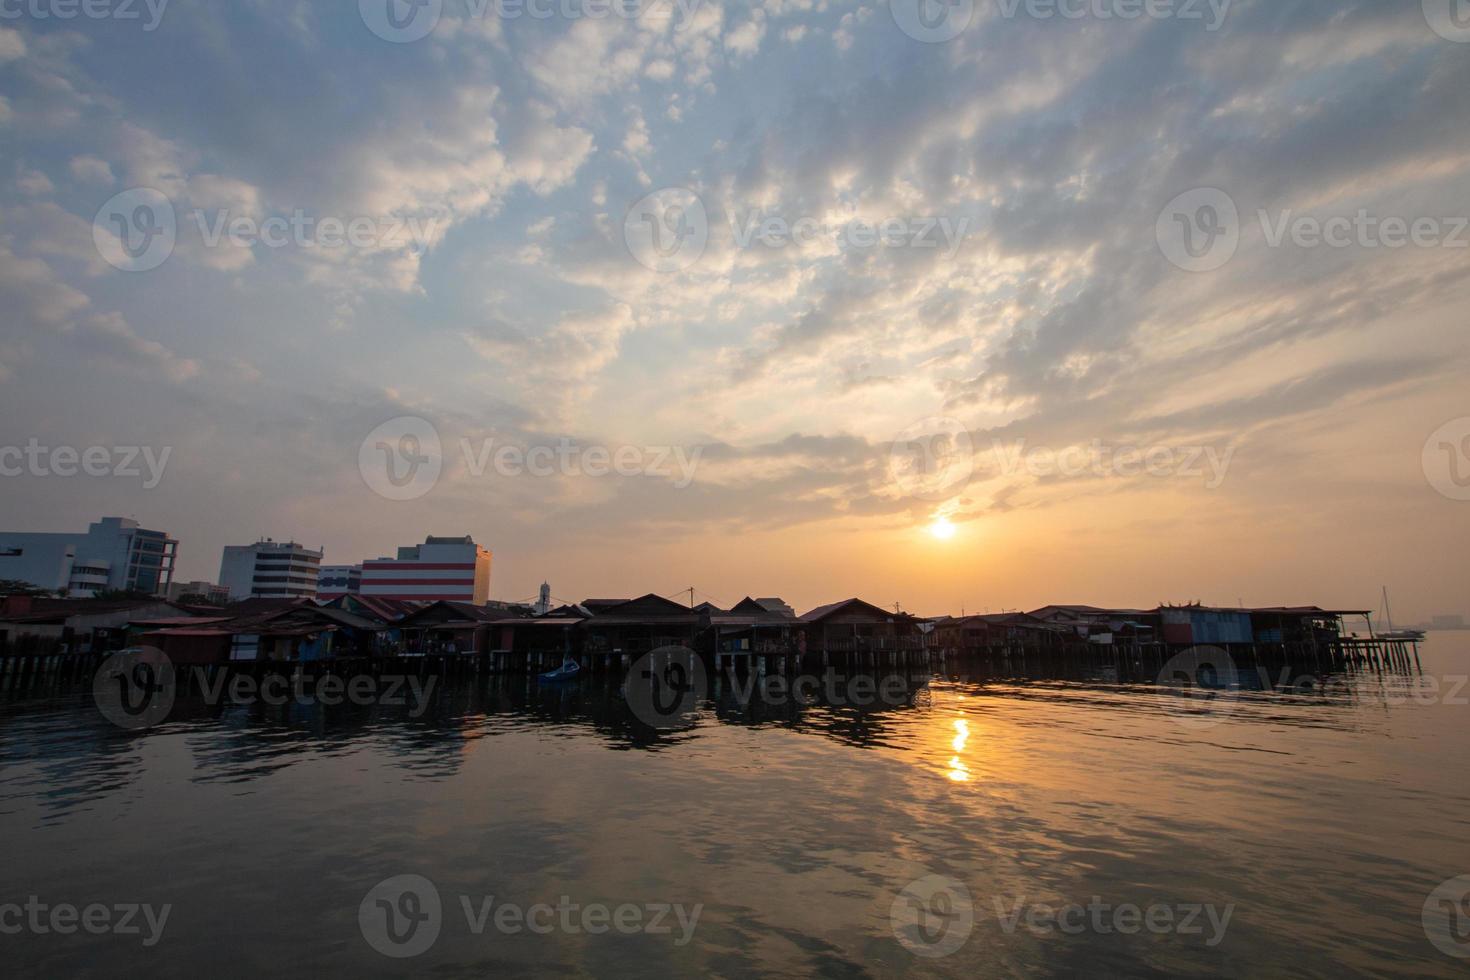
x,y
57,728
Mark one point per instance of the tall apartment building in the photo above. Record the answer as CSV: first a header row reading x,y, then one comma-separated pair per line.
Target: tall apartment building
x,y
440,568
115,553
270,570
338,580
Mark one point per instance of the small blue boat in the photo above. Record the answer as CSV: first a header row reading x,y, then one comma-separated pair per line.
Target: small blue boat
x,y
568,670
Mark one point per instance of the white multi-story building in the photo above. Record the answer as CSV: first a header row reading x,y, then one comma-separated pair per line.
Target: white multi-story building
x,y
270,570
440,568
115,553
338,580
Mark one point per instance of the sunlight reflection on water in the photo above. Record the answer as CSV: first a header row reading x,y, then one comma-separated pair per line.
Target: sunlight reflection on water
x,y
1324,815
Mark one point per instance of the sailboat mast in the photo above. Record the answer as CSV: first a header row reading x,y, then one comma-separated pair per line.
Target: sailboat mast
x,y
1387,612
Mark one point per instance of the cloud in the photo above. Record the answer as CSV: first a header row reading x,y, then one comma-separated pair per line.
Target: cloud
x,y
34,183
520,147
92,170
50,230
38,298
12,45
745,40
109,336
33,292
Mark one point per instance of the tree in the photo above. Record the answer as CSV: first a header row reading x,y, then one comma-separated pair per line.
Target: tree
x,y
116,595
12,586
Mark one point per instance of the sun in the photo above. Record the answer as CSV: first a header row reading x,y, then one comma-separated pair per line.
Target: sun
x,y
942,529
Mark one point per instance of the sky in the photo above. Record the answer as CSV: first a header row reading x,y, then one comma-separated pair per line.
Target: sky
x,y
976,305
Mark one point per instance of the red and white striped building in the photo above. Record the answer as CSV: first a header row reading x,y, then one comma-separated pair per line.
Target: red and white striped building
x,y
441,568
